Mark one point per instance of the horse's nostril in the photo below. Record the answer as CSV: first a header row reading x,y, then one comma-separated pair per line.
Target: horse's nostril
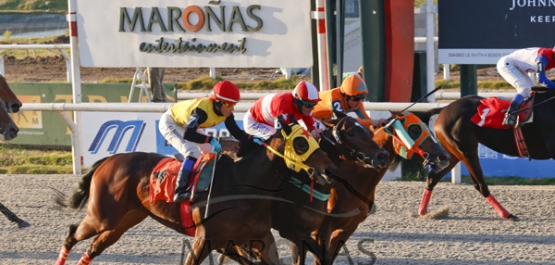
x,y
15,107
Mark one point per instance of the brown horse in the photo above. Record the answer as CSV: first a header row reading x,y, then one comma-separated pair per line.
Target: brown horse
x,y
117,189
302,207
353,200
9,103
460,136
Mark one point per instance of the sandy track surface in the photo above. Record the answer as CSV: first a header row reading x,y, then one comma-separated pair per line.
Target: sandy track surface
x,y
471,234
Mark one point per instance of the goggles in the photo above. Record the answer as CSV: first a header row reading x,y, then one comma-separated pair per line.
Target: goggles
x,y
358,98
309,104
228,105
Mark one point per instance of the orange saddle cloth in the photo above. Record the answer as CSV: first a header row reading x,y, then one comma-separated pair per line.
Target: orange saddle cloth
x,y
162,185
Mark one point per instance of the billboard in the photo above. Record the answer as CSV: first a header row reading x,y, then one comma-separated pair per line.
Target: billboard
x,y
108,133
481,32
195,33
47,128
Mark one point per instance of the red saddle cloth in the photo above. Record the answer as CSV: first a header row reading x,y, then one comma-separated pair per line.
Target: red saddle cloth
x,y
162,186
492,111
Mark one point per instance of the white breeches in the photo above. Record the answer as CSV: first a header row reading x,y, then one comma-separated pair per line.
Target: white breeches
x,y
517,78
173,133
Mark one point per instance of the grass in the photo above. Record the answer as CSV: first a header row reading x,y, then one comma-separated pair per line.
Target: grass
x,y
34,160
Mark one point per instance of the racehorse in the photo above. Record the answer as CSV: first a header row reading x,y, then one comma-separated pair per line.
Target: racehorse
x,y
353,200
9,103
303,207
457,132
240,188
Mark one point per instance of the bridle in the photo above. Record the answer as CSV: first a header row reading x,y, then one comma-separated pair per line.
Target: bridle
x,y
345,150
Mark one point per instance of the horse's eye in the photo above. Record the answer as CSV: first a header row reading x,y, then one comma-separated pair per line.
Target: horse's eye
x,y
350,133
414,131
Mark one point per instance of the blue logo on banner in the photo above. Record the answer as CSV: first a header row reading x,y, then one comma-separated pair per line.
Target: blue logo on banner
x,y
121,127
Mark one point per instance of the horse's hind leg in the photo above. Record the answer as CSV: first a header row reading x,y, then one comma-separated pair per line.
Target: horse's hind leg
x,y
110,235
90,227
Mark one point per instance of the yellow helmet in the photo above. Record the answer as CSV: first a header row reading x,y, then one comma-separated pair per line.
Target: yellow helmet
x,y
353,86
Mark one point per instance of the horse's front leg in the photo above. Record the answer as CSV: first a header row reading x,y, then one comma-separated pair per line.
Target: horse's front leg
x,y
199,252
432,179
12,217
472,163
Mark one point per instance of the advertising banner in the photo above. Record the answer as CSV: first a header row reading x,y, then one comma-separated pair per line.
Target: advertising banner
x,y
108,133
481,32
195,33
46,128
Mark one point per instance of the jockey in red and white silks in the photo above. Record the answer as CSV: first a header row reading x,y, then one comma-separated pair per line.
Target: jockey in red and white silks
x,y
260,118
514,68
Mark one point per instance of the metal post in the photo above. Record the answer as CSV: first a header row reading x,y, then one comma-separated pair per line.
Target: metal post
x,y
430,49
76,84
372,30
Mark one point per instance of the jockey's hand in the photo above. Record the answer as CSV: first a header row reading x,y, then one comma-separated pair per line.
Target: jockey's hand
x,y
378,122
216,146
316,133
256,139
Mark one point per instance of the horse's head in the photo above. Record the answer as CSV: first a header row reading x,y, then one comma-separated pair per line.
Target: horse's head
x,y
10,100
348,139
8,129
300,151
411,136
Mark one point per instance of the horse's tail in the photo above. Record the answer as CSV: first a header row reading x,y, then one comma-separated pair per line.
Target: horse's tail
x,y
425,116
81,195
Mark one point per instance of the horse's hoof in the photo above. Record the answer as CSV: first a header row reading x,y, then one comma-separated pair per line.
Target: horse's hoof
x,y
512,217
223,259
23,224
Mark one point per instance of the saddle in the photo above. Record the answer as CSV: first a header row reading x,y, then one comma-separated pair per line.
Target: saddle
x,y
491,111
164,175
162,185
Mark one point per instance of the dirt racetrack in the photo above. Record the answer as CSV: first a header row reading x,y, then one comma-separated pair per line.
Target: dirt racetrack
x,y
471,234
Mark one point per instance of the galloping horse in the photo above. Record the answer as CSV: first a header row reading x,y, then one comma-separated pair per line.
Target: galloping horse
x,y
9,103
353,200
457,132
303,209
117,189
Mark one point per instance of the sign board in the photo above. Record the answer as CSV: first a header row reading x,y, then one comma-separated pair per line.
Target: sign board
x,y
108,133
171,33
481,32
46,128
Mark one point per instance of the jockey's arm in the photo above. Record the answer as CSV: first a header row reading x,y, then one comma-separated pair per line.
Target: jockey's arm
x,y
191,127
234,129
542,62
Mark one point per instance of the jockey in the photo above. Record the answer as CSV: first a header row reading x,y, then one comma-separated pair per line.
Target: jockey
x,y
514,68
260,118
181,125
347,98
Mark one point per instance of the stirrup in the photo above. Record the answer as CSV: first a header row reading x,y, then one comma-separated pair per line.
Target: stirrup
x,y
509,120
179,197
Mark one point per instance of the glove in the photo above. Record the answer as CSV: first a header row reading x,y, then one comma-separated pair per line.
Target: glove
x,y
256,139
316,133
216,146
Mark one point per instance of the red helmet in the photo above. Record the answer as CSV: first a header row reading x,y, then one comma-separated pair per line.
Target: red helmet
x,y
306,91
226,91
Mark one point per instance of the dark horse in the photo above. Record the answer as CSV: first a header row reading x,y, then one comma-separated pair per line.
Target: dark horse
x,y
353,200
117,189
460,136
9,103
303,207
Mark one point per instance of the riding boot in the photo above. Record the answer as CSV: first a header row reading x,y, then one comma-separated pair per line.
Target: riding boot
x,y
510,115
181,190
